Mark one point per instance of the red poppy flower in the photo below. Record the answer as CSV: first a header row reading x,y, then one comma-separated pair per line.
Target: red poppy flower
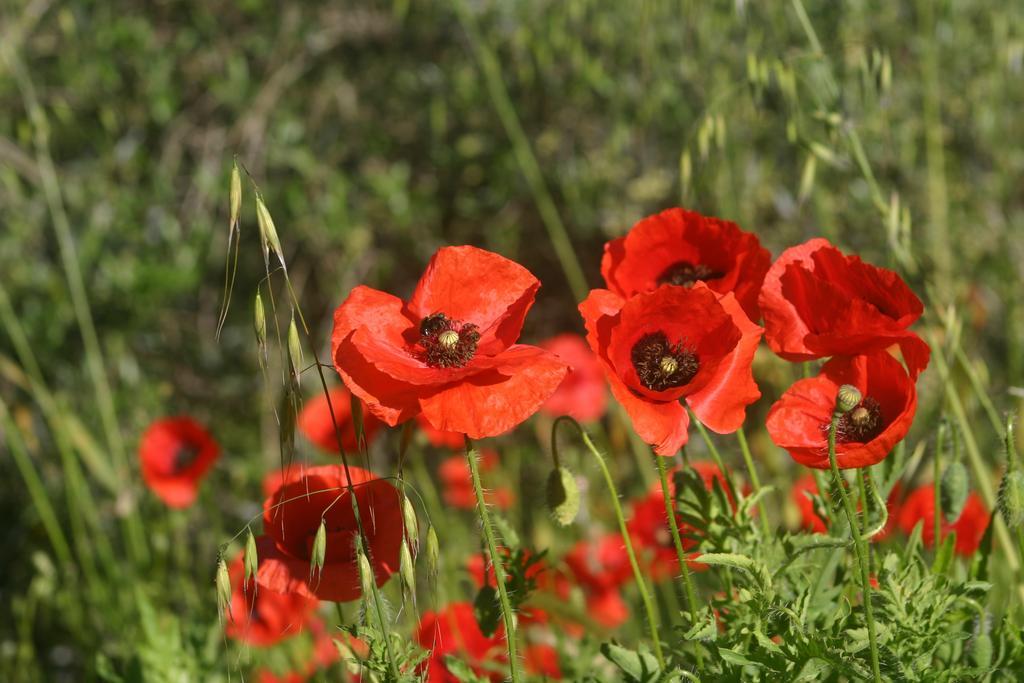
x,y
260,616
542,660
291,519
439,438
601,567
800,419
454,631
457,488
275,478
582,393
680,247
315,423
970,527
810,520
649,528
175,454
670,344
450,351
818,302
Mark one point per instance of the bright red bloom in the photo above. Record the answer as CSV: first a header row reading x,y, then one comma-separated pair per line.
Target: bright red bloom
x,y
818,302
970,527
454,631
649,528
291,519
680,247
175,453
601,567
542,660
259,616
799,420
457,487
450,351
810,520
582,393
314,421
273,479
670,344
439,438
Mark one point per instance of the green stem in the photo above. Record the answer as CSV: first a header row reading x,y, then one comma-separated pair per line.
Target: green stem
x,y
499,567
641,584
755,480
684,568
940,444
860,546
716,456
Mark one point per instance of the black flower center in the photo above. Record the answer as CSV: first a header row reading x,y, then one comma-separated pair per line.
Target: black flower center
x,y
861,424
447,343
662,365
685,274
185,456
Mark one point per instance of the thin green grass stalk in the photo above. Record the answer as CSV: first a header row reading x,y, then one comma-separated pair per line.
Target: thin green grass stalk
x,y
860,547
940,444
95,365
684,568
641,583
755,480
491,68
499,567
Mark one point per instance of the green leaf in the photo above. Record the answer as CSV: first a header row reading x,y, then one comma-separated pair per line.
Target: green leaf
x,y
639,667
737,659
944,557
487,610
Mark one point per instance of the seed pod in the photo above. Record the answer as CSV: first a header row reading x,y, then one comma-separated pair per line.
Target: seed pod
x,y
319,552
433,552
366,578
412,529
268,234
563,496
1011,498
235,196
223,588
848,398
955,487
406,572
259,322
251,559
294,350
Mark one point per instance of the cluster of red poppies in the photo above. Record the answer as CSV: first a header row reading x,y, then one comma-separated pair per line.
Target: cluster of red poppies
x,y
673,333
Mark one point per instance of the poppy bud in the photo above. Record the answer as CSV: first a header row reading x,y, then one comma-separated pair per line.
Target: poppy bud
x,y
412,531
1011,498
563,496
405,570
251,558
223,588
981,651
433,552
954,491
848,398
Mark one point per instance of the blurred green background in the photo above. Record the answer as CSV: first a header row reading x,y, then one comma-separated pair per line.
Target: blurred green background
x,y
379,131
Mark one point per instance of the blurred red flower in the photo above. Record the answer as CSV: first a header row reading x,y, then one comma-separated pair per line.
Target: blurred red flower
x,y
799,420
450,351
601,567
670,344
315,423
291,519
175,453
273,479
680,247
439,438
262,617
969,527
454,631
818,302
457,488
582,394
650,531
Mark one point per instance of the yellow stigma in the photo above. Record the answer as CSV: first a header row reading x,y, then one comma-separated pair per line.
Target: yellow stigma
x,y
448,339
860,415
668,365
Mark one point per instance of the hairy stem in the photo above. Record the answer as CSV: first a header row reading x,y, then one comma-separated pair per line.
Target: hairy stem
x,y
755,481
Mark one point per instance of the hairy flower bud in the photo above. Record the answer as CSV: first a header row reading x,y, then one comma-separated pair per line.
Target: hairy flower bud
x,y
563,496
848,398
1011,498
955,487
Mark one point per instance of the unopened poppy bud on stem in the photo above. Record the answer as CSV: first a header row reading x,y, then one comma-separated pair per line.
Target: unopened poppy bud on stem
x,y
1011,498
848,398
954,490
563,496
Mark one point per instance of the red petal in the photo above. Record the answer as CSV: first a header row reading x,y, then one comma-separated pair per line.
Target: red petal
x,y
384,315
495,401
662,424
480,287
388,399
785,330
